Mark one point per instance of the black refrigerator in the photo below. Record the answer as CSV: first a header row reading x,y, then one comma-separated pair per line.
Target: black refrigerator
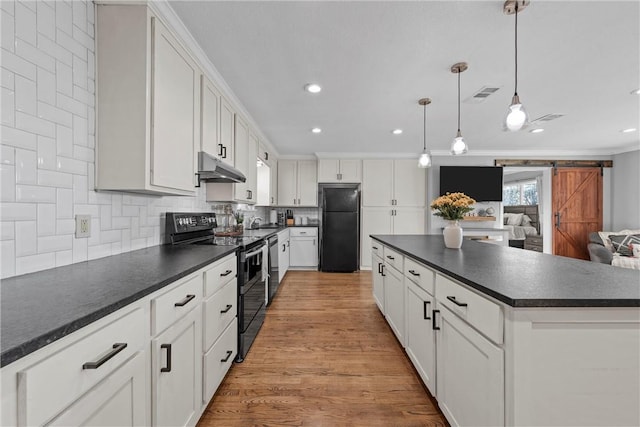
x,y
339,227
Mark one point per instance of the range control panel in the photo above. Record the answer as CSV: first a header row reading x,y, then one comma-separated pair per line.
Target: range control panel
x,y
186,222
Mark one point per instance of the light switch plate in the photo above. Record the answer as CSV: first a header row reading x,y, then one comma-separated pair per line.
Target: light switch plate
x,y
83,226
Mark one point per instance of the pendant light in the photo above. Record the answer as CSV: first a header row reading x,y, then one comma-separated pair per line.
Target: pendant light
x,y
517,117
424,161
459,146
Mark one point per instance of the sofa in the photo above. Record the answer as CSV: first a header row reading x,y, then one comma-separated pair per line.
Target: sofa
x,y
597,251
615,248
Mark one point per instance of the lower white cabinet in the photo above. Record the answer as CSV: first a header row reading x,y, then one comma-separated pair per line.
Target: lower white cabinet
x,y
177,372
470,373
284,249
119,400
394,300
304,247
378,281
420,336
218,359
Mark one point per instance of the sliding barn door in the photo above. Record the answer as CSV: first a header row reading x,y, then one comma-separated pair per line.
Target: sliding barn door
x,y
577,209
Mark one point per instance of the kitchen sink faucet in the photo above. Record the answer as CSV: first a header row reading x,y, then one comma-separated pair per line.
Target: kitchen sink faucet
x,y
252,222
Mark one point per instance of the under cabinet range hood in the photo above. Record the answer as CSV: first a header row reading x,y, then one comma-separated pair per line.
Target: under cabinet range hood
x,y
212,169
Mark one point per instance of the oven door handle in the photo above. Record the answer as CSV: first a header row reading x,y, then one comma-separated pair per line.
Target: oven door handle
x,y
254,253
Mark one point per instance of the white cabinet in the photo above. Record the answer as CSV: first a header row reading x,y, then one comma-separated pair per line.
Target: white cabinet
x,y
227,131
284,248
388,221
420,336
148,111
211,104
297,183
393,183
377,280
264,154
470,373
304,247
394,300
273,189
345,170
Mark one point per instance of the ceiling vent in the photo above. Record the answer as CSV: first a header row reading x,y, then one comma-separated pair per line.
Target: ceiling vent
x,y
547,118
481,95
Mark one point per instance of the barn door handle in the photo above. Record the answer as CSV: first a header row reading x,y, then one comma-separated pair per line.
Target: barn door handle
x,y
557,219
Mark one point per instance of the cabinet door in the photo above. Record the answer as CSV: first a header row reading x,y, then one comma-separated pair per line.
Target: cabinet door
x,y
420,336
119,400
273,201
304,252
350,171
287,257
377,182
378,282
408,221
241,141
394,301
227,131
307,183
374,221
252,168
409,183
210,119
328,170
177,372
175,119
470,372
287,176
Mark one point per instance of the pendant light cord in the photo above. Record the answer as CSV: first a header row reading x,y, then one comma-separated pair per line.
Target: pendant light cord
x,y
516,50
424,134
459,99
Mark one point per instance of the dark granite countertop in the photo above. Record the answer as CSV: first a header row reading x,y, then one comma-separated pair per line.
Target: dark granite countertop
x,y
522,278
42,307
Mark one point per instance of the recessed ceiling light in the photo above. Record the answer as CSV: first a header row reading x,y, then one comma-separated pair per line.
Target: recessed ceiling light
x,y
537,130
313,88
316,130
628,130
635,92
396,131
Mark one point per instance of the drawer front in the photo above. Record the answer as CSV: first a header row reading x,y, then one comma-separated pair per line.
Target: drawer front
x,y
303,231
218,360
393,259
533,248
221,273
484,315
175,303
376,248
48,387
535,240
420,275
219,310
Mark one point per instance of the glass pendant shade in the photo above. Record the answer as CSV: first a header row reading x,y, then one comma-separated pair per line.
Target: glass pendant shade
x,y
424,161
517,117
459,146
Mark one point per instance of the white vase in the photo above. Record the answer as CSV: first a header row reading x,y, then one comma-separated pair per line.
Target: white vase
x,y
453,235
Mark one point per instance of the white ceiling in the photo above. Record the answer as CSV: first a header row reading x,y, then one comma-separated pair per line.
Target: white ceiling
x,y
374,61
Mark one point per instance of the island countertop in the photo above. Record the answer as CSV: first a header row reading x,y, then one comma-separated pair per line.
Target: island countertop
x,y
39,308
521,278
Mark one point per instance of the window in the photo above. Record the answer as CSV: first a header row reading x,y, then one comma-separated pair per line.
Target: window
x,y
520,193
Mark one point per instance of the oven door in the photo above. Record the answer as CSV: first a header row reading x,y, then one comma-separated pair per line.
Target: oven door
x,y
251,286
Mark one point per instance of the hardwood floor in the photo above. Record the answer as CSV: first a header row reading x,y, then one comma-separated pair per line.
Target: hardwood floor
x,y
324,357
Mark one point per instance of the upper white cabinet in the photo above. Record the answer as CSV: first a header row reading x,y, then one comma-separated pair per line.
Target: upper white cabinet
x,y
347,171
265,155
273,190
393,183
217,123
297,183
148,105
246,161
227,131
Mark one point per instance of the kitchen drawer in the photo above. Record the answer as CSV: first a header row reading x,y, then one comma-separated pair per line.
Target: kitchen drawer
x,y
218,360
219,310
534,240
49,386
393,259
420,275
176,302
220,274
303,231
377,248
484,315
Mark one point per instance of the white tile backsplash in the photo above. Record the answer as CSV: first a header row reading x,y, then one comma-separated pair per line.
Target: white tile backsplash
x,y
47,158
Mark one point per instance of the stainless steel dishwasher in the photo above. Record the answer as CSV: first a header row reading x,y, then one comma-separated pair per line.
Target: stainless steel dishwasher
x,y
274,274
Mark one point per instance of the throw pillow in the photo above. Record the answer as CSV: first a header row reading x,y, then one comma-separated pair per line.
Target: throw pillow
x,y
515,219
636,250
505,218
622,243
526,221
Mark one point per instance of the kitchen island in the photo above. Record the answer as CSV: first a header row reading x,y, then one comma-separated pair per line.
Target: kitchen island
x,y
502,336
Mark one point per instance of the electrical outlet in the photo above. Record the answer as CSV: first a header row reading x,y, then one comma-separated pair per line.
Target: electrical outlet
x,y
83,226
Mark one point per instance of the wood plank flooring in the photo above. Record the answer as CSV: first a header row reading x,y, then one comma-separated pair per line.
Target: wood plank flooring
x,y
324,357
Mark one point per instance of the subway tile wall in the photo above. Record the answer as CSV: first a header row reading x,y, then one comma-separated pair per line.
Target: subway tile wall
x,y
48,147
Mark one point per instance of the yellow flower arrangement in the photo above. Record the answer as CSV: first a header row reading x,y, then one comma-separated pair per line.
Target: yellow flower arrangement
x,y
452,206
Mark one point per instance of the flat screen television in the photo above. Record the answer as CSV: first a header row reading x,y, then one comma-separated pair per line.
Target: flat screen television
x,y
482,183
